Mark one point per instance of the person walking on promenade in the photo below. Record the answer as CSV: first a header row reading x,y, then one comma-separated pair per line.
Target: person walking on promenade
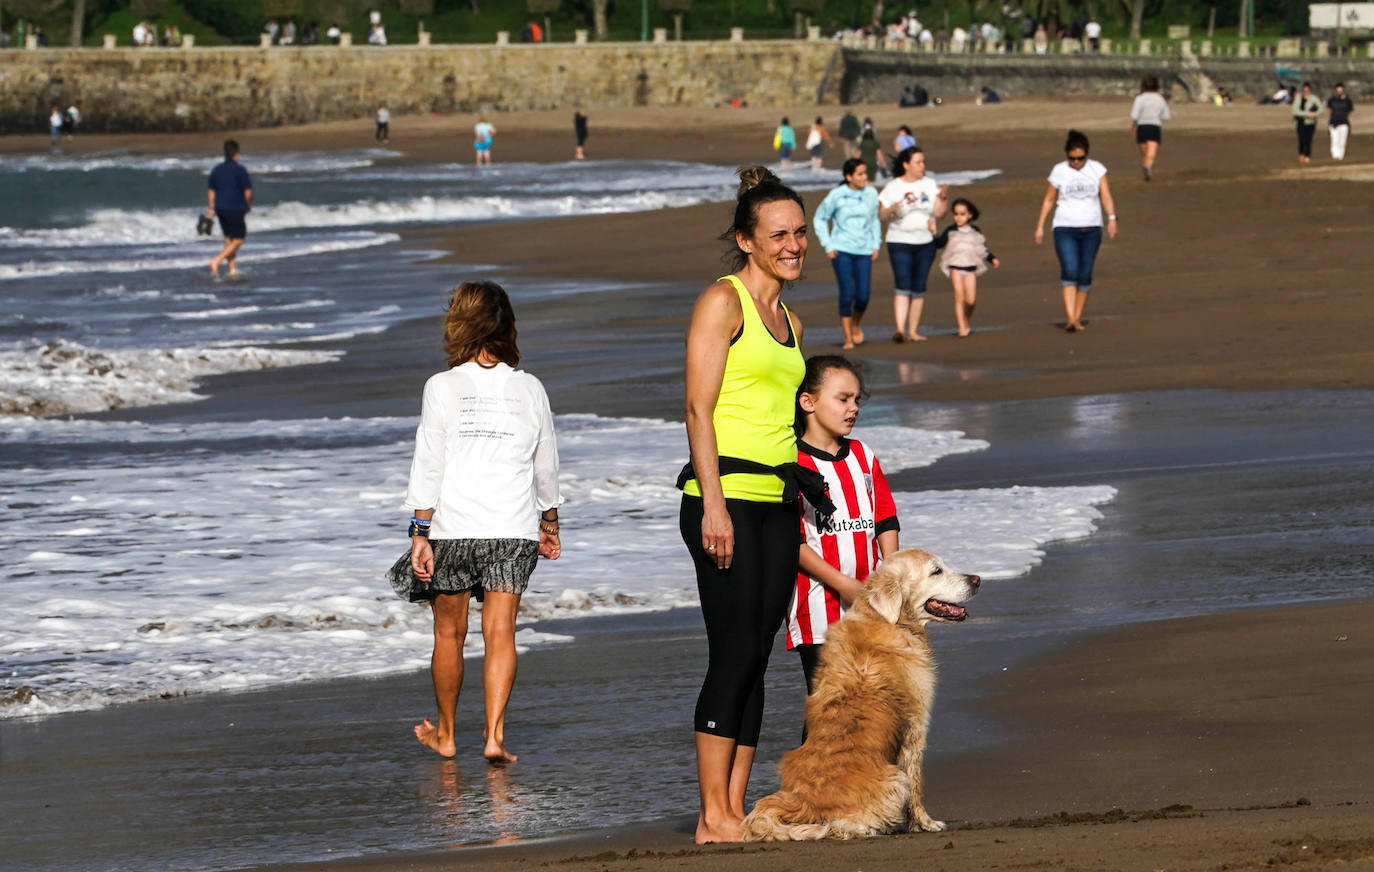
x,y
847,227
1306,108
1077,193
229,196
1148,114
739,516
483,132
784,140
1339,107
484,498
911,202
383,133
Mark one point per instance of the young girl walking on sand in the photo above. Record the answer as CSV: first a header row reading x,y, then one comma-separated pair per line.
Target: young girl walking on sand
x,y
842,549
965,258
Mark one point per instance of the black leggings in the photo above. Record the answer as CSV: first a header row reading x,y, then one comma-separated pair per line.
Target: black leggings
x,y
810,659
743,607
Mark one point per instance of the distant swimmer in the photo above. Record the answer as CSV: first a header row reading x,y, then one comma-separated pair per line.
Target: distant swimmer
x,y
229,196
482,134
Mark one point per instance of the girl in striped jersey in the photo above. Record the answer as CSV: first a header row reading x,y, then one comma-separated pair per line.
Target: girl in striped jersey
x,y
836,554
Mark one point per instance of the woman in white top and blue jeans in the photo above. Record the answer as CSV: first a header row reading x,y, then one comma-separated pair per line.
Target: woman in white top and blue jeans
x,y
1077,193
484,493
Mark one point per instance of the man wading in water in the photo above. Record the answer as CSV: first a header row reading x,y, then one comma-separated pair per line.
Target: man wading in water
x,y
229,196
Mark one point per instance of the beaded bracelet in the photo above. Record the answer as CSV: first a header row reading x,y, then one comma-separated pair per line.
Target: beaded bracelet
x,y
419,530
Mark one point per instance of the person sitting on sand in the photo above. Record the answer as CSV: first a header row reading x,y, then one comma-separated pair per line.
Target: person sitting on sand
x,y
229,196
485,496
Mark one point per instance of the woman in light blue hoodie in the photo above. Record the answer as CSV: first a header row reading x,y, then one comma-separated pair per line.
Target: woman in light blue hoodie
x,y
847,227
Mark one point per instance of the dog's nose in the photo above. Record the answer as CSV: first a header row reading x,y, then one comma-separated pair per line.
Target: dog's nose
x,y
973,581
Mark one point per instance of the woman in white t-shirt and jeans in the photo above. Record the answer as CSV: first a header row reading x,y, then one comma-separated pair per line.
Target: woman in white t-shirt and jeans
x,y
1077,192
484,496
911,202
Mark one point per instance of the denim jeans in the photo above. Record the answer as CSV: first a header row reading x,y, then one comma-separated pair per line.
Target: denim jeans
x,y
910,266
853,271
1077,249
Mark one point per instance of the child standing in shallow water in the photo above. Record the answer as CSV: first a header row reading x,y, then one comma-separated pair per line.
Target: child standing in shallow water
x,y
839,551
965,258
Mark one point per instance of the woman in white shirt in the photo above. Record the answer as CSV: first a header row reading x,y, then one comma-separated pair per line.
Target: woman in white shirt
x,y
484,493
1077,192
1148,114
911,203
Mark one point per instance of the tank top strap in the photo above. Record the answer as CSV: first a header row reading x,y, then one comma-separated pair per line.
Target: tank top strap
x,y
746,302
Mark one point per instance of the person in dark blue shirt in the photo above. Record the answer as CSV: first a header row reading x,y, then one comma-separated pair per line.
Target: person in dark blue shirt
x,y
229,197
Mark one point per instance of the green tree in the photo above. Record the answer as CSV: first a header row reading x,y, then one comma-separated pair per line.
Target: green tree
x,y
149,8
803,10
545,8
677,8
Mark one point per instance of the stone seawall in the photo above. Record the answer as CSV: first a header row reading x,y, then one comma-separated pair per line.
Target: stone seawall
x,y
226,88
221,88
879,76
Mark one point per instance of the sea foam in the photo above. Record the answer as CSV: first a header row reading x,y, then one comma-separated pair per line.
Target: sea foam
x,y
219,557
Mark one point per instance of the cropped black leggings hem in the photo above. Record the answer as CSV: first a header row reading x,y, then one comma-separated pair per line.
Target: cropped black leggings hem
x,y
743,607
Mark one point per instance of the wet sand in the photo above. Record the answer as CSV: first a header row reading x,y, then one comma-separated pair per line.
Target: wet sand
x,y
1233,741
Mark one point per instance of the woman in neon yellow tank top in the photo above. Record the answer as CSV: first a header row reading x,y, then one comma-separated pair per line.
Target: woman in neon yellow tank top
x,y
744,364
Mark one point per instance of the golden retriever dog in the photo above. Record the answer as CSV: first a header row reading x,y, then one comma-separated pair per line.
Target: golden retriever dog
x,y
858,773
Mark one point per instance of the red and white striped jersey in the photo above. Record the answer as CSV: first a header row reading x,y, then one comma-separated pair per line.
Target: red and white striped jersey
x,y
863,509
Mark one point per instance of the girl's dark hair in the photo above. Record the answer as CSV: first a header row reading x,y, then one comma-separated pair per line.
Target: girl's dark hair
x,y
1076,140
757,187
818,120
480,318
973,212
816,368
849,167
900,161
904,129
1149,82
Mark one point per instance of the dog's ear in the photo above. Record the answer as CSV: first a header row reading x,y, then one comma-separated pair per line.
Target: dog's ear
x,y
885,594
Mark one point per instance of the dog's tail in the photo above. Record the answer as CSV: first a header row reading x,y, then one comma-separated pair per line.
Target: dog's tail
x,y
784,817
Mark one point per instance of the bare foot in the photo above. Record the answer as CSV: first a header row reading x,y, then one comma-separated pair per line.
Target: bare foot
x,y
847,346
214,267
497,755
858,336
964,334
915,337
730,830
428,735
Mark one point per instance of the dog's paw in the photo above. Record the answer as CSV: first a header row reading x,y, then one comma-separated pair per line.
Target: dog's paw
x,y
922,822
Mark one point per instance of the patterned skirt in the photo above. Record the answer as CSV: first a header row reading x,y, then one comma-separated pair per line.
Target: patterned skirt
x,y
477,565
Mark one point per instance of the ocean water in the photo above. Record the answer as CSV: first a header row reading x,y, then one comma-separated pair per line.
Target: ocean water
x,y
105,301
187,557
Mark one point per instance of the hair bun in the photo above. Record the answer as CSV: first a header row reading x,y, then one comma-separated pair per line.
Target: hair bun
x,y
752,177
